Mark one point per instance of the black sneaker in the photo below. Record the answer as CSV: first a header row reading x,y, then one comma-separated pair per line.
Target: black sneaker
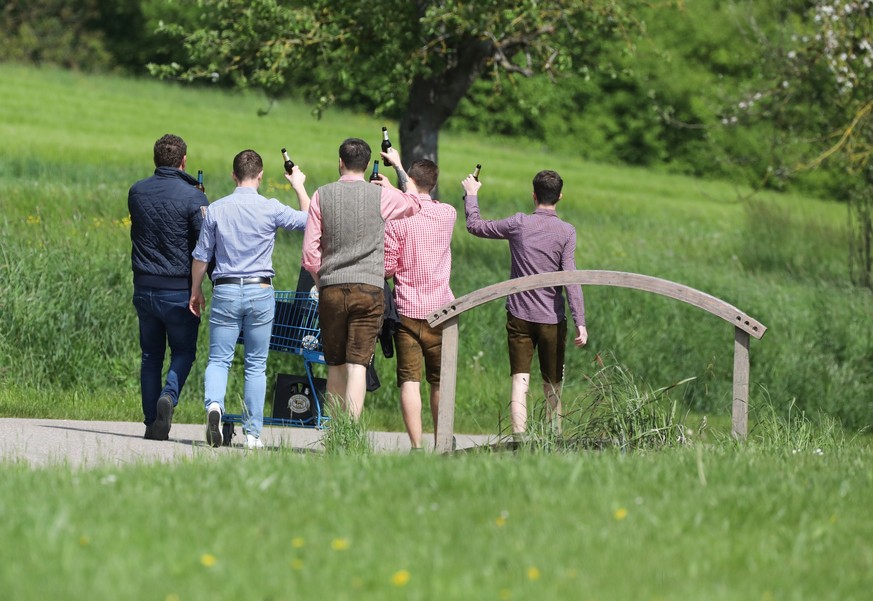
x,y
148,433
161,427
213,425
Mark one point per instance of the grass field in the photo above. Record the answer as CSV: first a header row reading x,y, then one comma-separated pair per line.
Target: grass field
x,y
715,524
75,143
782,517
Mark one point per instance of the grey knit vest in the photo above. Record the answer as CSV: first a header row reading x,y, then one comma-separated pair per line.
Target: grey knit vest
x,y
352,234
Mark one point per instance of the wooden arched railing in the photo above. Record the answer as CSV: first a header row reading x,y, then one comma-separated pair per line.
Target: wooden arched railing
x,y
744,327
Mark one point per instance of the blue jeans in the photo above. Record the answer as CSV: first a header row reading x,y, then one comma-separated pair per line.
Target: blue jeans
x,y
164,319
248,309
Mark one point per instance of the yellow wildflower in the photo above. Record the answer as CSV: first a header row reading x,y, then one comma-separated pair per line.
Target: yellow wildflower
x,y
401,577
339,544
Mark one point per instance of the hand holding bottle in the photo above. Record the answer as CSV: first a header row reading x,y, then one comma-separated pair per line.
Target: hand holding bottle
x,y
390,157
296,177
471,185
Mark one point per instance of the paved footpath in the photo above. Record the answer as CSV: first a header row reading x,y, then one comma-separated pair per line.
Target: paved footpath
x,y
42,442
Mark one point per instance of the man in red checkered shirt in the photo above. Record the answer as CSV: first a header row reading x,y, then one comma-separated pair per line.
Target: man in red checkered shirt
x,y
419,257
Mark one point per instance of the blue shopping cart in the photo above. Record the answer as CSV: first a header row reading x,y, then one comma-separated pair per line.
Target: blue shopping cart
x,y
298,400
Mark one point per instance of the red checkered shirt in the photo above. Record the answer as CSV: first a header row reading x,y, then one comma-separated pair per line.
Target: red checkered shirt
x,y
418,254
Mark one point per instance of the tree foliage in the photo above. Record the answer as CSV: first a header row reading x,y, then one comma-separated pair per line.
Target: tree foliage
x,y
410,60
820,89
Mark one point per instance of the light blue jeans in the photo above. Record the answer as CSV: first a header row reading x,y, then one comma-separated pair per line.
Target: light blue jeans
x,y
248,309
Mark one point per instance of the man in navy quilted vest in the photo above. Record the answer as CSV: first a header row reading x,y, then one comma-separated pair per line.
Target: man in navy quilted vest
x,y
166,212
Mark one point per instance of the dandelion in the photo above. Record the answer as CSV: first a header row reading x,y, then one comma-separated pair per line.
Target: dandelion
x,y
339,544
505,594
172,597
297,542
208,560
33,220
620,514
84,541
297,564
401,578
533,573
500,521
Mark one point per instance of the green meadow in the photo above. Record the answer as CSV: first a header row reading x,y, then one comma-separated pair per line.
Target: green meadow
x,y
69,347
782,516
715,524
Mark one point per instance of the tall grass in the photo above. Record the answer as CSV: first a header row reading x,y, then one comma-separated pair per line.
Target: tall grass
x,y
67,326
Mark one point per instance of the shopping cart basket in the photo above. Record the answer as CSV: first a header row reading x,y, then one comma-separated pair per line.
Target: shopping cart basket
x,y
299,399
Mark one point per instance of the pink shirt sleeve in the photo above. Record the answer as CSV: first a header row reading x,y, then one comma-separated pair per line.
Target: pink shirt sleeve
x,y
397,204
311,260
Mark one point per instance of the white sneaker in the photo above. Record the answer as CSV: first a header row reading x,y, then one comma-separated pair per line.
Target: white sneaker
x,y
213,425
253,442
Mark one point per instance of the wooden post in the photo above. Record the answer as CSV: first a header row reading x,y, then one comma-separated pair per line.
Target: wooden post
x,y
445,430
740,409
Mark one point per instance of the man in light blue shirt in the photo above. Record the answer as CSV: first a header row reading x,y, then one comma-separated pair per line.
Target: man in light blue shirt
x,y
239,231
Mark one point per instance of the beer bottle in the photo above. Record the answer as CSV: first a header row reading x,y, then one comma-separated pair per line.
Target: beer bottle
x,y
375,175
289,164
476,172
386,144
200,185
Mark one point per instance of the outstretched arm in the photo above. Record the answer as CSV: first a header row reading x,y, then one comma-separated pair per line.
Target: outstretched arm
x,y
403,181
483,228
296,178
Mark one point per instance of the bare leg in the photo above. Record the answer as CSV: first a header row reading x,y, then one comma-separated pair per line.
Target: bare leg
x,y
356,388
552,393
410,407
518,402
336,387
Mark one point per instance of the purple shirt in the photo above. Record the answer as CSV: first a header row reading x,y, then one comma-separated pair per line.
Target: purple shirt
x,y
538,243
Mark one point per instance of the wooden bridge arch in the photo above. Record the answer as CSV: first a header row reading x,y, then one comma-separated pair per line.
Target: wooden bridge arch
x,y
744,328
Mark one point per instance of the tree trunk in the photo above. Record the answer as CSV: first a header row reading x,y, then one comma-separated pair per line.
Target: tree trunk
x,y
433,100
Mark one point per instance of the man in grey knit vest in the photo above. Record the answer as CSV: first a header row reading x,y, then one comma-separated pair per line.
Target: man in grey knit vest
x,y
343,248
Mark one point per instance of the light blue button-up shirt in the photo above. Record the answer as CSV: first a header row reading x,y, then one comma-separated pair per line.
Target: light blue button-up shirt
x,y
240,231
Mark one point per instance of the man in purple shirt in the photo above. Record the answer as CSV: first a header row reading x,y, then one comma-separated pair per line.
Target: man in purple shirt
x,y
535,319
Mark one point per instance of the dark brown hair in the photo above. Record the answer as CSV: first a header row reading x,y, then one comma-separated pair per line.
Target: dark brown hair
x,y
169,151
424,173
547,186
355,154
247,165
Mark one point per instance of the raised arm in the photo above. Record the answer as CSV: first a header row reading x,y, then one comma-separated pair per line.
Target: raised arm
x,y
477,226
296,178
